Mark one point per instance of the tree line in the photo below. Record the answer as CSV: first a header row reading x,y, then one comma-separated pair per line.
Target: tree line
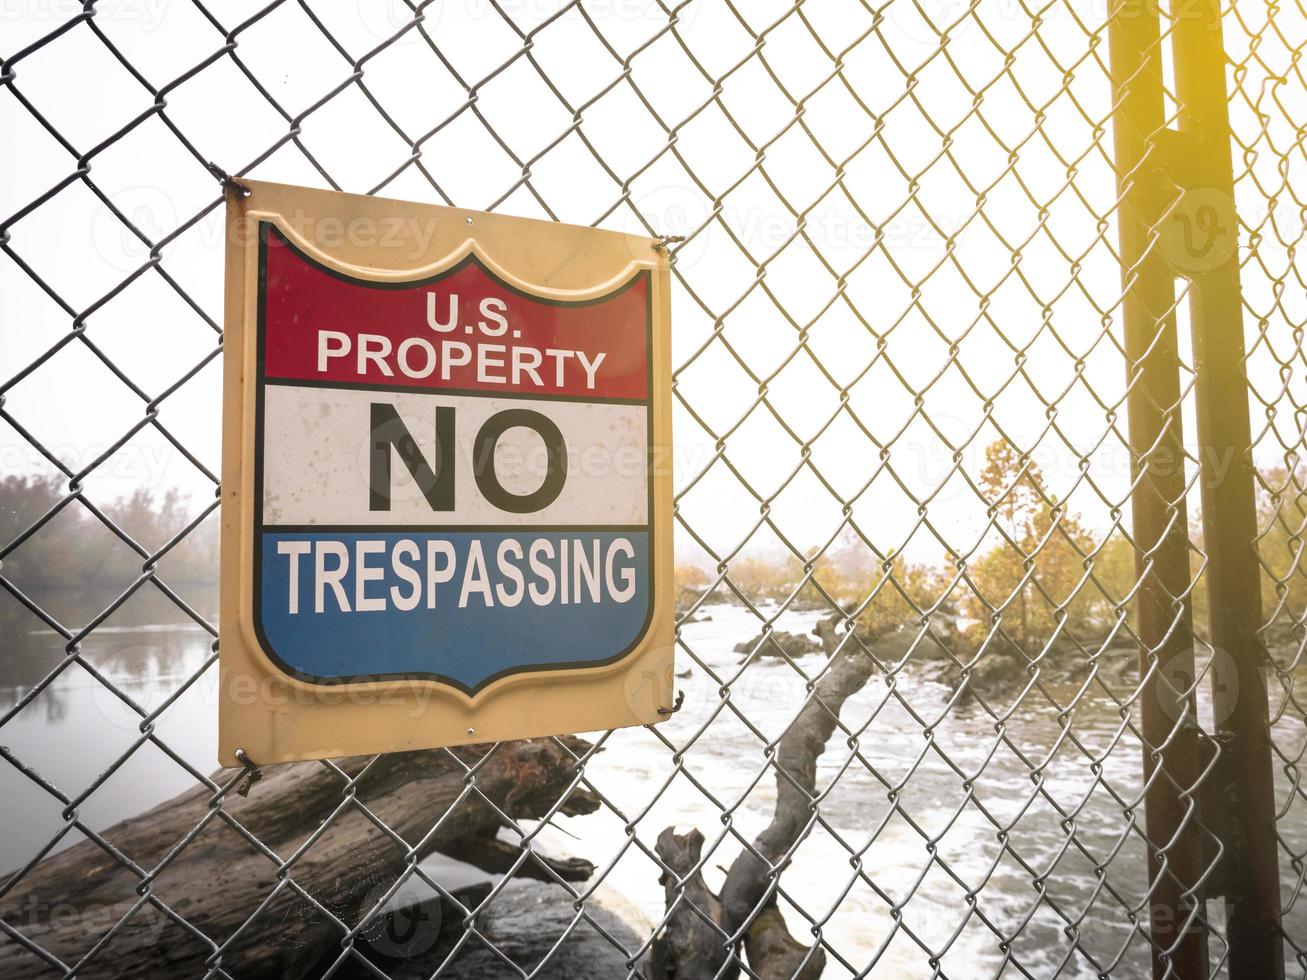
x,y
75,549
1038,566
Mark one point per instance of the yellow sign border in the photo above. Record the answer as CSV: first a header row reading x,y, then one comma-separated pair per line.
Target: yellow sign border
x,y
274,717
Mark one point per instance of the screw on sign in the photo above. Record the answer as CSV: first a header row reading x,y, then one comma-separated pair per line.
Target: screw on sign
x,y
442,514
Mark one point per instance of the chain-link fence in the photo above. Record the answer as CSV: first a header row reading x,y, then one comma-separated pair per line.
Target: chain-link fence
x,y
974,661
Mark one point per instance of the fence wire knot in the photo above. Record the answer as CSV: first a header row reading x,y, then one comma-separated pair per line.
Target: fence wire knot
x,y
676,706
249,777
662,241
228,181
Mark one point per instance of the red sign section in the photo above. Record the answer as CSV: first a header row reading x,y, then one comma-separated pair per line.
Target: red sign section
x,y
463,329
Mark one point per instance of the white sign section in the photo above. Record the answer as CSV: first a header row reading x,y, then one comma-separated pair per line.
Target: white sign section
x,y
320,463
452,475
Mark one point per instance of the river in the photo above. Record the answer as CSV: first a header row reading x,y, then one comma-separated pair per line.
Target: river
x,y
884,875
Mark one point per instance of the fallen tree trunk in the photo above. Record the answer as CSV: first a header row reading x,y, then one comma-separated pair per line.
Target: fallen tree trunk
x,y
692,945
750,877
772,952
219,879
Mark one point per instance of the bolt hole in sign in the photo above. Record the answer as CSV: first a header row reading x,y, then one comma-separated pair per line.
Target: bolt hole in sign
x,y
446,497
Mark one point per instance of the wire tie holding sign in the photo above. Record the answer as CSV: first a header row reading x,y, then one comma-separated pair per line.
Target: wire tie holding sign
x,y
227,180
676,706
251,775
663,241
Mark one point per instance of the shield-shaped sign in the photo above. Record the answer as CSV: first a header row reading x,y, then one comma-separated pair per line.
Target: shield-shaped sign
x,y
445,498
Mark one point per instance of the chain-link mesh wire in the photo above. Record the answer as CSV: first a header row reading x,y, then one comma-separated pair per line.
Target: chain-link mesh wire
x,y
900,415
1265,108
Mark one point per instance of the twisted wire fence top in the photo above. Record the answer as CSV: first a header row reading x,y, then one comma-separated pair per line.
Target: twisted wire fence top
x,y
899,392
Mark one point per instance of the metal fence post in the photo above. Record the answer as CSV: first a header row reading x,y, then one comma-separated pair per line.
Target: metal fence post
x,y
1247,795
1158,511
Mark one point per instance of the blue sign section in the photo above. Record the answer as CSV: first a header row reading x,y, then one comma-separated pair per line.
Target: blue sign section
x,y
461,607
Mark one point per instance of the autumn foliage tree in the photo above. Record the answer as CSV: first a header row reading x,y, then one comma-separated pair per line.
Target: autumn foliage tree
x,y
1035,572
1040,571
1282,529
692,581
